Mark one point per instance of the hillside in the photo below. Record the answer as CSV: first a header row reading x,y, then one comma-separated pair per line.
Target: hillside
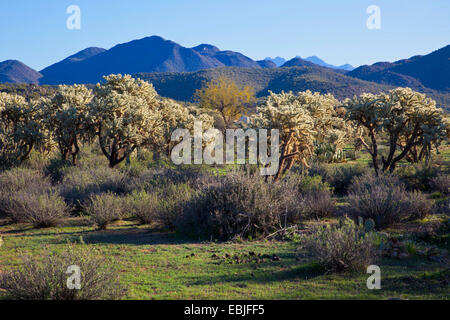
x,y
13,71
57,70
418,72
182,86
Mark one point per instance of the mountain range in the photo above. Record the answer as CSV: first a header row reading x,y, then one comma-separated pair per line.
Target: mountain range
x,y
167,63
279,61
418,72
150,54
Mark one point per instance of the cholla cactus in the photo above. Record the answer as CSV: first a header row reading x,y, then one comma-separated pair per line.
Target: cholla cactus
x,y
65,117
20,128
125,116
304,120
174,116
409,118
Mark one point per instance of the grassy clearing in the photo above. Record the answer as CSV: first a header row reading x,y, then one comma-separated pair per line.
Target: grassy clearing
x,y
159,265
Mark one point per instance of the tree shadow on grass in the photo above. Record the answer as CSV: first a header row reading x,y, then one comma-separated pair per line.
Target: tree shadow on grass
x,y
135,236
431,284
291,271
131,234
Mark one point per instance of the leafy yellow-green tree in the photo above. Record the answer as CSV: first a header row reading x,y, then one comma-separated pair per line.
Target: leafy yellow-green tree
x,y
227,98
66,118
409,119
125,116
20,128
303,120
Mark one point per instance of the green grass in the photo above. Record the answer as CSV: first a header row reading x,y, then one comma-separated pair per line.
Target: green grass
x,y
159,265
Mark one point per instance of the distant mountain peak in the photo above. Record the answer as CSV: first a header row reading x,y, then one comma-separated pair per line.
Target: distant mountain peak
x,y
206,48
279,61
149,54
298,62
86,53
14,71
320,62
314,59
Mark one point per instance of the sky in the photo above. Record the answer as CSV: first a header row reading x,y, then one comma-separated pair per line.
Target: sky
x,y
35,32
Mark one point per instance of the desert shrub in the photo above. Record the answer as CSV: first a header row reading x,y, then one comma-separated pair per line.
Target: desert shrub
x,y
22,188
418,176
80,183
382,199
313,184
105,208
56,169
385,200
419,206
46,279
21,178
141,180
317,204
37,161
143,206
43,210
312,195
154,178
343,247
442,206
441,183
172,200
339,178
237,205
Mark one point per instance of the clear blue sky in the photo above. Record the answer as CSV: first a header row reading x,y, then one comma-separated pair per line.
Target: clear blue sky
x,y
35,32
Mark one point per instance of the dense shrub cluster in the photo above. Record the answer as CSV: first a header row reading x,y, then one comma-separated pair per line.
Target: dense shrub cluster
x,y
338,177
343,247
41,210
385,200
314,197
27,196
105,208
46,279
418,176
237,204
78,185
441,183
143,206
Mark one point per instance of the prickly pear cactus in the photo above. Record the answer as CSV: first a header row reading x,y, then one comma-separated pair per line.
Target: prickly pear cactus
x,y
369,225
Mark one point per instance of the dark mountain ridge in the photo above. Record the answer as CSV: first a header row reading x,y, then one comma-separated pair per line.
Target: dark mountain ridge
x,y
418,72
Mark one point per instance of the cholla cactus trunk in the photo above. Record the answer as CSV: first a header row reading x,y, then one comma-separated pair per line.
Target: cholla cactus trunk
x,y
409,118
303,120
